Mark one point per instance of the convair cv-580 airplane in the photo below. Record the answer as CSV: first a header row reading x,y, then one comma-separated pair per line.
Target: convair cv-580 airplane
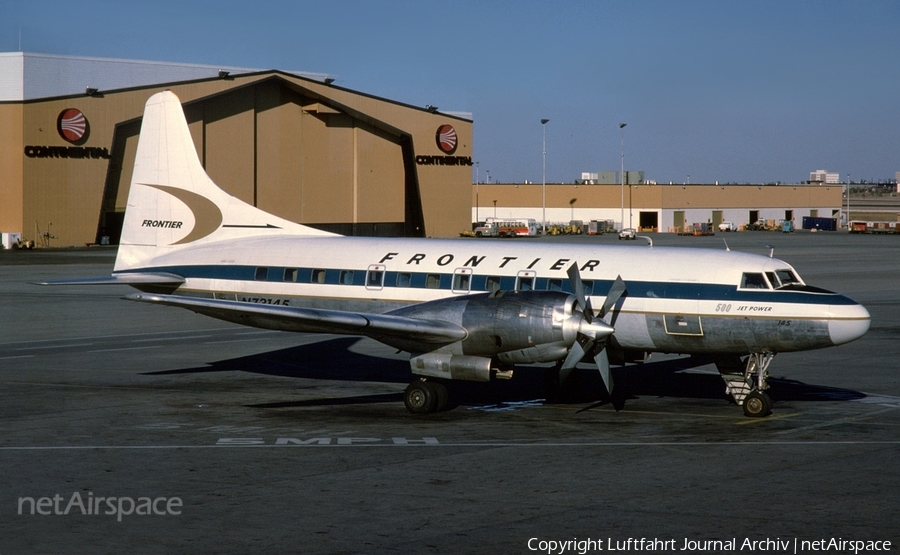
x,y
465,310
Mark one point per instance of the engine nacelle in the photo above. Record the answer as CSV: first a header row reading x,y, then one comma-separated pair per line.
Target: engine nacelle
x,y
452,367
510,326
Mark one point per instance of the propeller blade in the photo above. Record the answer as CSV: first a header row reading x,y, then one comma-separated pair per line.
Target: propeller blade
x,y
592,335
615,293
583,345
588,311
602,361
578,287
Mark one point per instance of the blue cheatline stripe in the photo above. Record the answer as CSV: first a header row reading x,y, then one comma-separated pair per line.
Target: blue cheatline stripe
x,y
480,283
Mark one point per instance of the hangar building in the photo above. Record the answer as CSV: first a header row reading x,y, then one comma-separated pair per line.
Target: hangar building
x,y
292,144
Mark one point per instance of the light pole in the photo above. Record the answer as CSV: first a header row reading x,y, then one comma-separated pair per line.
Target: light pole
x,y
848,201
622,173
544,175
476,192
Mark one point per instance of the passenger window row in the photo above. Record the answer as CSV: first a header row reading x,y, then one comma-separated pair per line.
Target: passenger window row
x,y
460,281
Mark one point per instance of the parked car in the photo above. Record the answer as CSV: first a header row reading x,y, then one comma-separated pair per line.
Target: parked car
x,y
727,226
627,233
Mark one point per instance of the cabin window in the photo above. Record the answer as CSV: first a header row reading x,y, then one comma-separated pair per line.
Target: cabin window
x,y
404,279
261,274
290,274
492,284
433,281
318,276
588,287
554,284
346,277
753,281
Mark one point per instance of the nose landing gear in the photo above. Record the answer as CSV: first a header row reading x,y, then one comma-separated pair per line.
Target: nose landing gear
x,y
748,389
757,404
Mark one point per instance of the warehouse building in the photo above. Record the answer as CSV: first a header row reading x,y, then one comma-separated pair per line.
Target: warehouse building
x,y
652,207
292,144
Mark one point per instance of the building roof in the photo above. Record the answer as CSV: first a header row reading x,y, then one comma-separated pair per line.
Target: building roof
x,y
29,76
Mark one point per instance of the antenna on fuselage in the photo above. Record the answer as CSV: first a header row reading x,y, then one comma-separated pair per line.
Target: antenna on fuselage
x,y
726,244
771,251
649,240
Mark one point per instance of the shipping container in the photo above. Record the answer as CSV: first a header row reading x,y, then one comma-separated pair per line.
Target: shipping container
x,y
821,224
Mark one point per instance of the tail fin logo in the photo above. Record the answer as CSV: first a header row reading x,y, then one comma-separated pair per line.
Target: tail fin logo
x,y
207,216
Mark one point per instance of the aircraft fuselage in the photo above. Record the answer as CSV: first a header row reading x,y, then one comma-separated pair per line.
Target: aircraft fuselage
x,y
678,300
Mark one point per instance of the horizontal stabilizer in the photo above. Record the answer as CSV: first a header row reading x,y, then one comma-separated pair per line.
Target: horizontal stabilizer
x,y
313,320
131,278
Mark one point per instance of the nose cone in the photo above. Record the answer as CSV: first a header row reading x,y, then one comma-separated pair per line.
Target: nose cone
x,y
847,323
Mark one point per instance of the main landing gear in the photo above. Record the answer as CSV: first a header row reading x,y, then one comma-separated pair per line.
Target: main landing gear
x,y
749,388
425,396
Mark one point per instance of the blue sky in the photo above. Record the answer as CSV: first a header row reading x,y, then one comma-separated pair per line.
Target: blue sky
x,y
734,91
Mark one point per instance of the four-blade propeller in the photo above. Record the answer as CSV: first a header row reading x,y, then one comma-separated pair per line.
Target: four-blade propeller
x,y
593,334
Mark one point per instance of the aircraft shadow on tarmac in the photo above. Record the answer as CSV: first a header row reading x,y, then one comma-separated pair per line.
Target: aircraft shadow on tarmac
x,y
334,360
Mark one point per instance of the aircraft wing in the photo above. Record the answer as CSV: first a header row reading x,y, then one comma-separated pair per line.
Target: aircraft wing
x,y
131,278
313,320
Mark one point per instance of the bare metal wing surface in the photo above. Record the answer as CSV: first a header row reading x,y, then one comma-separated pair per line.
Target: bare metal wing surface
x,y
299,319
135,278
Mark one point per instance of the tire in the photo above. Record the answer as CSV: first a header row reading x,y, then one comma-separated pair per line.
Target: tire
x,y
757,404
443,396
420,397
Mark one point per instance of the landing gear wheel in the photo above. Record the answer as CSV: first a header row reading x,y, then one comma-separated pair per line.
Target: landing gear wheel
x,y
757,404
443,396
421,397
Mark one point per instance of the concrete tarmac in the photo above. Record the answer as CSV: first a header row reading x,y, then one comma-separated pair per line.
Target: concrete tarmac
x,y
239,440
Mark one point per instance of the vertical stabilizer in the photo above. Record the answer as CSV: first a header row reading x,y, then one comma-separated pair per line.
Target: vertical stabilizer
x,y
172,202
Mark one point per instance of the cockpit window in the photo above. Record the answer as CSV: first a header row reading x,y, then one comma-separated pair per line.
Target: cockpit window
x,y
787,277
754,281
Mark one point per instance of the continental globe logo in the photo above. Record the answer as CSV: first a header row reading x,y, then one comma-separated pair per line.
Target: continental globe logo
x,y
75,129
73,126
446,139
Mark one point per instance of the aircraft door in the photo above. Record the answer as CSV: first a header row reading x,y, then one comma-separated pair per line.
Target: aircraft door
x,y
525,280
462,280
685,322
375,277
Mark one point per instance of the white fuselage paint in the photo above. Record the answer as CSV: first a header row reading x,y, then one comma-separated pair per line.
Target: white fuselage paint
x,y
679,299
